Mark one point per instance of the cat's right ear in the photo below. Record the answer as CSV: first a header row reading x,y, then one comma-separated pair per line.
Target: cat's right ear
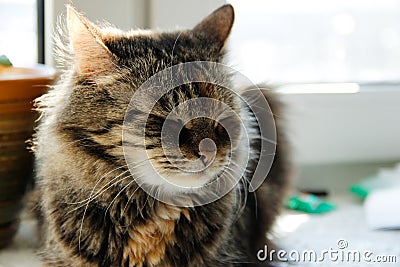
x,y
91,56
217,26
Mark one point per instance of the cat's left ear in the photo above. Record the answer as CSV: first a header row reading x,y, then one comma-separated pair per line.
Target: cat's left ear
x,y
91,55
217,25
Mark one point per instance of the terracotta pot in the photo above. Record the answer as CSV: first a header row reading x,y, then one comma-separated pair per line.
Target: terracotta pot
x,y
18,88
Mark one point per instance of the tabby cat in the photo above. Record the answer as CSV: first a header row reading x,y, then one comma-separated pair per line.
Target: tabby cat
x,y
92,211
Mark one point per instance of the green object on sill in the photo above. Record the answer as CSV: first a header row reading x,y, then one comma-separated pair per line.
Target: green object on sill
x,y
364,187
309,203
386,178
4,61
360,190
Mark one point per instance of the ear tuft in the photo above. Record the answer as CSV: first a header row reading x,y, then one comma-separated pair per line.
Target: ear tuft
x,y
217,25
91,55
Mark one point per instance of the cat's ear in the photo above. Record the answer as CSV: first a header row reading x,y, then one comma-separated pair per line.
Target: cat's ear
x,y
217,25
91,55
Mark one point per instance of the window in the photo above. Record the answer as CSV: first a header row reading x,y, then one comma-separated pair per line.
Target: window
x,y
18,31
303,41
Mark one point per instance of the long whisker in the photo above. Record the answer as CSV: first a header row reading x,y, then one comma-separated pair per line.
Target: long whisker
x,y
173,48
243,200
120,191
100,191
88,202
247,181
98,181
129,199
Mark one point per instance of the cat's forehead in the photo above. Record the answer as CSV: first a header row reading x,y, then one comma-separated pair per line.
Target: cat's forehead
x,y
100,50
183,45
140,37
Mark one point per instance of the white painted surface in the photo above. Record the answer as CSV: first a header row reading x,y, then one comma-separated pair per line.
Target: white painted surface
x,y
329,128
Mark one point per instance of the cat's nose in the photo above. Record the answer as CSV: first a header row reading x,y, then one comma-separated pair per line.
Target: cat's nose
x,y
207,151
207,157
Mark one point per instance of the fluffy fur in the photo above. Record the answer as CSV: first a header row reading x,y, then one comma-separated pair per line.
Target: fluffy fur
x,y
91,210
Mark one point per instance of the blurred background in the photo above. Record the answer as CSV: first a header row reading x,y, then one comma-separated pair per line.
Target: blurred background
x,y
336,66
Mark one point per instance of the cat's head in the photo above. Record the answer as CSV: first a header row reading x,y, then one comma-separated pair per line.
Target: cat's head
x,y
108,66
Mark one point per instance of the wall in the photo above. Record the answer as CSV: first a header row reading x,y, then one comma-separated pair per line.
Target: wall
x,y
357,127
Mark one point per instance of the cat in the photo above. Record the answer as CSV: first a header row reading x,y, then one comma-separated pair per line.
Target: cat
x,y
91,210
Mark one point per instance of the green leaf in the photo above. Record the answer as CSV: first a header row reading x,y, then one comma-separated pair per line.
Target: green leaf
x,y
4,61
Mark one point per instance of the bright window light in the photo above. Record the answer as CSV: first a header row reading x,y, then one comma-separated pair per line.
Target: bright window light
x,y
18,34
314,41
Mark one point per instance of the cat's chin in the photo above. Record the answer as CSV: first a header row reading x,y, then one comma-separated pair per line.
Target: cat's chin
x,y
190,181
172,183
186,182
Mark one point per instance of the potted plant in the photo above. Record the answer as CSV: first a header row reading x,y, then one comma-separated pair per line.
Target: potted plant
x,y
18,88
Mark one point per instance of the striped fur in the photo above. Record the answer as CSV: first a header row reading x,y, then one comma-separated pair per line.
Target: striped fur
x,y
92,211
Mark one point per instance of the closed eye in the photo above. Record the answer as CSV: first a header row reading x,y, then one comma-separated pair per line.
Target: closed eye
x,y
219,129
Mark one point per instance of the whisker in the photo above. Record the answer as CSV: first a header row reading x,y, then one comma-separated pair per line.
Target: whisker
x,y
98,181
120,191
87,203
173,48
101,191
